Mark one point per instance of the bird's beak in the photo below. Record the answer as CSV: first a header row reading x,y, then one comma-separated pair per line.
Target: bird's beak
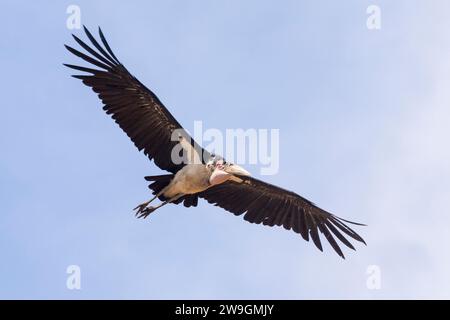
x,y
236,170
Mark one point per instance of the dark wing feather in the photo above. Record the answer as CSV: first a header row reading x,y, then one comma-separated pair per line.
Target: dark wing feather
x,y
271,205
135,108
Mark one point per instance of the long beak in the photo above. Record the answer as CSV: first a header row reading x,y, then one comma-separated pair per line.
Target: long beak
x,y
236,170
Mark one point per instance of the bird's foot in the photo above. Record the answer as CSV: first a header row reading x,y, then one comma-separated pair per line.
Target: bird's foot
x,y
143,210
140,208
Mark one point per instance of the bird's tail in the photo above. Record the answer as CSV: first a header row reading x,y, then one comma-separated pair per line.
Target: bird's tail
x,y
159,183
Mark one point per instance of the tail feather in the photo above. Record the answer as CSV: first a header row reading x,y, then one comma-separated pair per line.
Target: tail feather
x,y
159,183
159,177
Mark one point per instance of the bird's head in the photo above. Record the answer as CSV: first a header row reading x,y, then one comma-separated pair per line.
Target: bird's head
x,y
222,170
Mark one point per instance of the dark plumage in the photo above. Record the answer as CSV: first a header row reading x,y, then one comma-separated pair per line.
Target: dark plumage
x,y
133,106
150,126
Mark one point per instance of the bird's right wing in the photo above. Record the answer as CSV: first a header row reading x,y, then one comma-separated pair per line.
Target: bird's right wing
x,y
135,108
271,205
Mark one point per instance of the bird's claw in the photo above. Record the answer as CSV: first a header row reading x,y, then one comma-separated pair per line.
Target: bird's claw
x,y
143,211
146,212
140,208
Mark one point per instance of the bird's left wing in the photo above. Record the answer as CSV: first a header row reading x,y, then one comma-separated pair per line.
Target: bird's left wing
x,y
135,108
271,205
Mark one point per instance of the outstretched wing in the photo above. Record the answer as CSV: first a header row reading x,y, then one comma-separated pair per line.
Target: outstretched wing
x,y
271,205
134,107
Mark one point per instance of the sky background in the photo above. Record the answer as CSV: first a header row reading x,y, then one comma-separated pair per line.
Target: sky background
x,y
364,124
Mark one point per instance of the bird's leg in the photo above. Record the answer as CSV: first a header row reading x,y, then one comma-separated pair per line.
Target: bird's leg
x,y
142,206
147,210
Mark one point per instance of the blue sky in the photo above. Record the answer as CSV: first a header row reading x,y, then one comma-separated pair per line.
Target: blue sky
x,y
363,118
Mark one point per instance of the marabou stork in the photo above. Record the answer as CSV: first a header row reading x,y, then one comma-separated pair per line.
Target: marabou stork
x,y
150,126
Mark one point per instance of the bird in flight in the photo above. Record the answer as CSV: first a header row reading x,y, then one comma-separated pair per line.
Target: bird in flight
x,y
153,129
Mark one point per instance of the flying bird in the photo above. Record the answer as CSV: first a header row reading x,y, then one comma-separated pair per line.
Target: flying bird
x,y
153,129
